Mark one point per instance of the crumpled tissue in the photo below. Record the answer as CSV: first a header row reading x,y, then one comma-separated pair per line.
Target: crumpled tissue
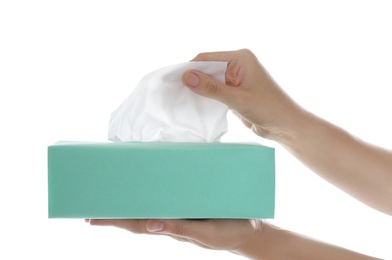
x,y
160,108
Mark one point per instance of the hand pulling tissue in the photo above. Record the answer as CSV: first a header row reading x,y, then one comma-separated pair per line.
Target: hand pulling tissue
x,y
161,109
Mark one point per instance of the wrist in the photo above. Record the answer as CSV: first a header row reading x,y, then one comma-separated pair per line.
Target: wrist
x,y
271,243
286,128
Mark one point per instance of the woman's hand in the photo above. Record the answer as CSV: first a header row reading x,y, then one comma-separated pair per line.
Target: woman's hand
x,y
253,239
249,91
219,234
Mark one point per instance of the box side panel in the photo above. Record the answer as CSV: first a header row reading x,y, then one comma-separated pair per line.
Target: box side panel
x,y
102,182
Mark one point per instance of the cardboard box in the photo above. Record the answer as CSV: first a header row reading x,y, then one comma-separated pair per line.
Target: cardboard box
x,y
160,180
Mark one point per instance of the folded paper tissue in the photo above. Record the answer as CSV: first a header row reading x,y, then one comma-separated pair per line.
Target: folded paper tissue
x,y
161,109
166,160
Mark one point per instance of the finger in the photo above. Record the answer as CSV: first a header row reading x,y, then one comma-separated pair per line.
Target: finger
x,y
137,226
207,86
193,241
231,57
214,56
223,55
186,229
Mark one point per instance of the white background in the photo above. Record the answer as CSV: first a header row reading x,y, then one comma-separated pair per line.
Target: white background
x,y
66,65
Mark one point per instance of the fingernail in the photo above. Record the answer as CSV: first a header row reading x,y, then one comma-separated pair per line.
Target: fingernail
x,y
155,226
192,80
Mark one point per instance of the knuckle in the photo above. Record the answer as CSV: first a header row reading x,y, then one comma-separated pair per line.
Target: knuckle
x,y
178,230
231,78
136,226
211,87
246,53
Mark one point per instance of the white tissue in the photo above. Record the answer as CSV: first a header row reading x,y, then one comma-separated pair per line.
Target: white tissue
x,y
161,109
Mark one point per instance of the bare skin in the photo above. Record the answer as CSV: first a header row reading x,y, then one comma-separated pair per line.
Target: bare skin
x,y
362,170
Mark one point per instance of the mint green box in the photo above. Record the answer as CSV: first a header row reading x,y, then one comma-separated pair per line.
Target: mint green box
x,y
142,180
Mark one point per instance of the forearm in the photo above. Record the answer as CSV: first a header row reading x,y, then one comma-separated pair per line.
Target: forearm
x,y
274,243
360,169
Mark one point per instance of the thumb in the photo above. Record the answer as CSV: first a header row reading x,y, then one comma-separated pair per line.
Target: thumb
x,y
207,86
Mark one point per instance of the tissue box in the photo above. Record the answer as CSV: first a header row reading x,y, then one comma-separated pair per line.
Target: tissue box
x,y
142,180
